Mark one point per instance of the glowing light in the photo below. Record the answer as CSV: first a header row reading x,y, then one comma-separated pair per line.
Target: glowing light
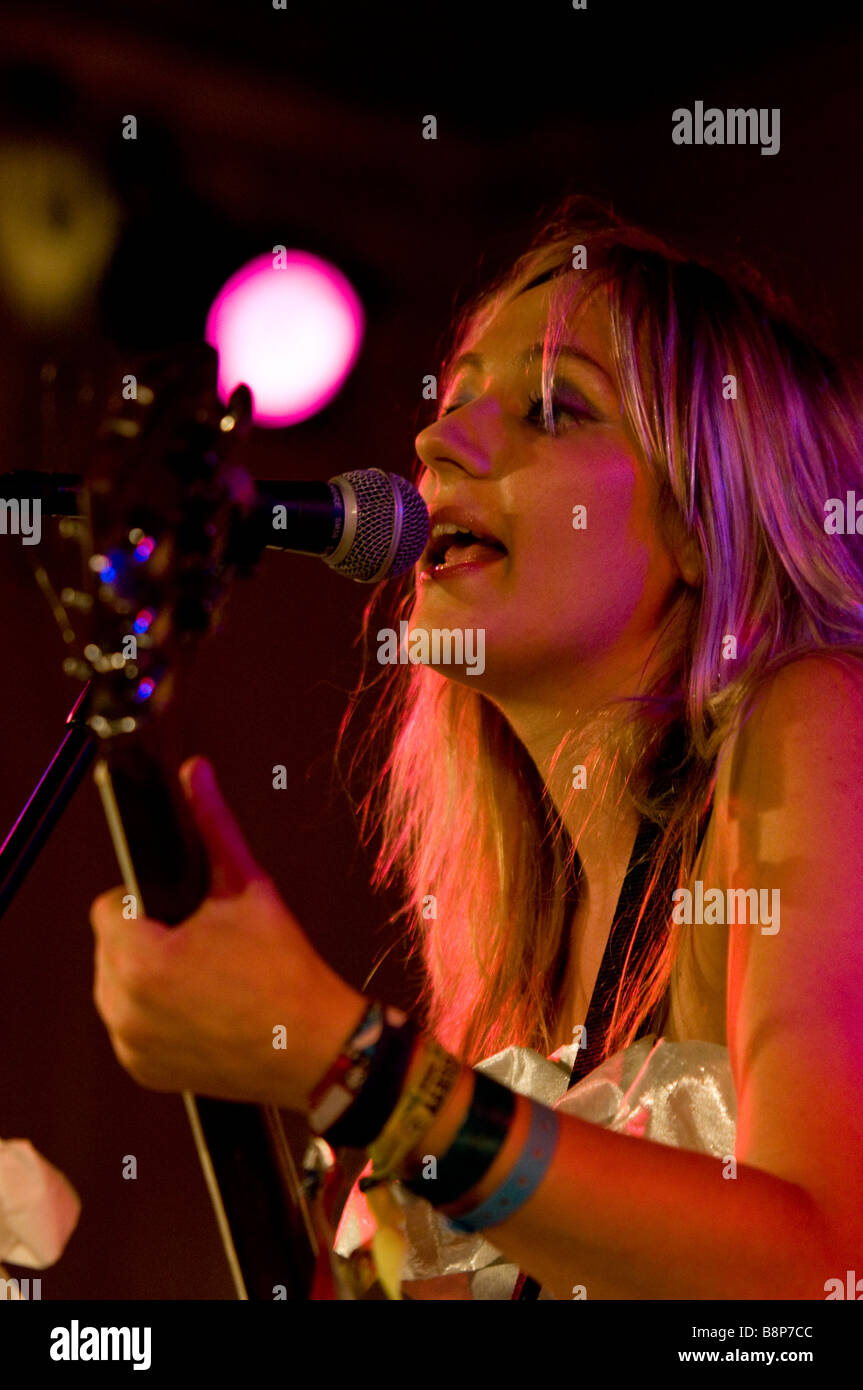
x,y
108,574
145,548
290,326
145,689
143,620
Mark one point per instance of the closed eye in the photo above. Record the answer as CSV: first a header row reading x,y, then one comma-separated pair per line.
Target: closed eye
x,y
534,414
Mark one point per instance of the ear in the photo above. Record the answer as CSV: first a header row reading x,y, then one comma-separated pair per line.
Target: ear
x,y
689,561
685,549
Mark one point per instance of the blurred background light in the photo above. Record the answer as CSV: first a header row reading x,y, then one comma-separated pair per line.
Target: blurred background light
x,y
59,223
289,325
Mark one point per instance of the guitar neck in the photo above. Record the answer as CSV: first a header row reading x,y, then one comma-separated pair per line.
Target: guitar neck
x,y
260,1208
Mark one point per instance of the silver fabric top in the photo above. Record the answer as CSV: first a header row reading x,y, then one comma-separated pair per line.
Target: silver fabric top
x,y
677,1093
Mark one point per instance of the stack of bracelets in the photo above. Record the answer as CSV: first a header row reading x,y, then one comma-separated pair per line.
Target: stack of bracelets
x,y
363,1102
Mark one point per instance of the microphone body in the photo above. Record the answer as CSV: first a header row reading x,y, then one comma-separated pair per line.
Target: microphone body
x,y
365,524
312,516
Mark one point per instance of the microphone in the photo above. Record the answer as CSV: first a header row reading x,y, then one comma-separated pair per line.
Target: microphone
x,y
366,524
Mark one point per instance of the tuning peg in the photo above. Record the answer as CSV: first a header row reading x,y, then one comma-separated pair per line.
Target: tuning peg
x,y
107,728
238,417
127,429
76,598
74,666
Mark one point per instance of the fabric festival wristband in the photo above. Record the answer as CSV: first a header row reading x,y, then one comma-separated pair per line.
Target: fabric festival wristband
x,y
367,1116
474,1148
414,1113
419,1104
530,1169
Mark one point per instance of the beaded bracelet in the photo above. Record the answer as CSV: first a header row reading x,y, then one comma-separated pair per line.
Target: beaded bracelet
x,y
342,1082
530,1168
352,1102
373,1106
475,1147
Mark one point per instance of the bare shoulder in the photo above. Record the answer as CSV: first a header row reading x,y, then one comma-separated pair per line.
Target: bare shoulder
x,y
786,772
793,831
818,695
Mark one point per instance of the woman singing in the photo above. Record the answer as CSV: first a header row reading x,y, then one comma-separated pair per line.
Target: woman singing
x,y
631,837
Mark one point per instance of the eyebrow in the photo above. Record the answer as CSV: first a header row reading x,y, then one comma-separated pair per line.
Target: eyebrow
x,y
472,359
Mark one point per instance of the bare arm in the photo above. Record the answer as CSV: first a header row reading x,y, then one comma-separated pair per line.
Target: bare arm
x,y
628,1218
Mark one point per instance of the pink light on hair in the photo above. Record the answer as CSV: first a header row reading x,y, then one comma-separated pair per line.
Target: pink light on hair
x,y
290,326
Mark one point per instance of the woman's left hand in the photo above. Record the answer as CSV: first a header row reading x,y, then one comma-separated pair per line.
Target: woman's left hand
x,y
234,1002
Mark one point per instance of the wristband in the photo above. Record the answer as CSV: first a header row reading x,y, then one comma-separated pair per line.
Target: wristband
x,y
369,1112
417,1107
529,1170
375,1045
475,1147
343,1081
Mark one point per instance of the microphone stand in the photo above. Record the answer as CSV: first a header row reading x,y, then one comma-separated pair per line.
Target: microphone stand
x,y
48,801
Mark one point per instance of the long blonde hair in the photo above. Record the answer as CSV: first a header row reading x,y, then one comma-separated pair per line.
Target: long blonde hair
x,y
466,822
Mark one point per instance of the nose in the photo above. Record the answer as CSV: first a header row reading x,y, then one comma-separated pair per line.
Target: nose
x,y
461,442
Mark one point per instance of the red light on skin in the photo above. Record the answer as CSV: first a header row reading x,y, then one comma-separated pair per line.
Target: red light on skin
x,y
290,326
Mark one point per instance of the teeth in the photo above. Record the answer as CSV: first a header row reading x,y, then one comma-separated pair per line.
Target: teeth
x,y
449,528
443,529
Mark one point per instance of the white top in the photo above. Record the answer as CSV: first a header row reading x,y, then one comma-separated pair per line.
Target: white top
x,y
678,1093
39,1209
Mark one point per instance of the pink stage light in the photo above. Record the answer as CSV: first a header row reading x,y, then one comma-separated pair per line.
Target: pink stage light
x,y
290,326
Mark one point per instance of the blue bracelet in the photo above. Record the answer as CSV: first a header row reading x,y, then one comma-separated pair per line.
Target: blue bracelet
x,y
530,1169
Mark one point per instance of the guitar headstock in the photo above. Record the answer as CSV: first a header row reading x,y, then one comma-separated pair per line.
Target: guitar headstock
x,y
163,515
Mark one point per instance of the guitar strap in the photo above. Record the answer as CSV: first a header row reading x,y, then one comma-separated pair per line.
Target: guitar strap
x,y
617,947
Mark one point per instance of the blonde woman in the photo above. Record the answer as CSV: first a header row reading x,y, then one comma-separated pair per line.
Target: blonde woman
x,y
631,837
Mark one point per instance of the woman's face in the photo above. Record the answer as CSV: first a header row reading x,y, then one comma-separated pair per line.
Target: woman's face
x,y
565,609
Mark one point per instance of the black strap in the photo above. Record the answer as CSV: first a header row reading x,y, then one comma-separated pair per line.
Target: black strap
x,y
619,940
602,1000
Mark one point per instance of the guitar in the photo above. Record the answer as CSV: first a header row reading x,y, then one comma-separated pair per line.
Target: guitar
x,y
167,527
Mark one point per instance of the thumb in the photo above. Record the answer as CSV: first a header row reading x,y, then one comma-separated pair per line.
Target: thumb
x,y
231,861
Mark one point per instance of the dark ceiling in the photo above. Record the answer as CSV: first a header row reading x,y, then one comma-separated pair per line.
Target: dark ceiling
x,y
484,61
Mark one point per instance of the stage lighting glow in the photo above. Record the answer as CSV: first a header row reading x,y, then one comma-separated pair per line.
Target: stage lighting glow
x,y
289,325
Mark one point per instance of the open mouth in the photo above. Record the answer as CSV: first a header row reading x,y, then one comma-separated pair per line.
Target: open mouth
x,y
452,545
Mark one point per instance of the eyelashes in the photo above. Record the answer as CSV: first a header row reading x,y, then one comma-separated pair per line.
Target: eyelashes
x,y
534,414
558,408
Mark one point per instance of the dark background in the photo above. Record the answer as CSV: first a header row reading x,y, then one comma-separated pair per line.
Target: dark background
x,y
258,127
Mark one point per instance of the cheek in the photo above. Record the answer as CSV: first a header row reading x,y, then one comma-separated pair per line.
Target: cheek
x,y
586,532
608,574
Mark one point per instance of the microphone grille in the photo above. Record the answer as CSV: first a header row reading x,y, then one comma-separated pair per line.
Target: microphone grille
x,y
390,524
